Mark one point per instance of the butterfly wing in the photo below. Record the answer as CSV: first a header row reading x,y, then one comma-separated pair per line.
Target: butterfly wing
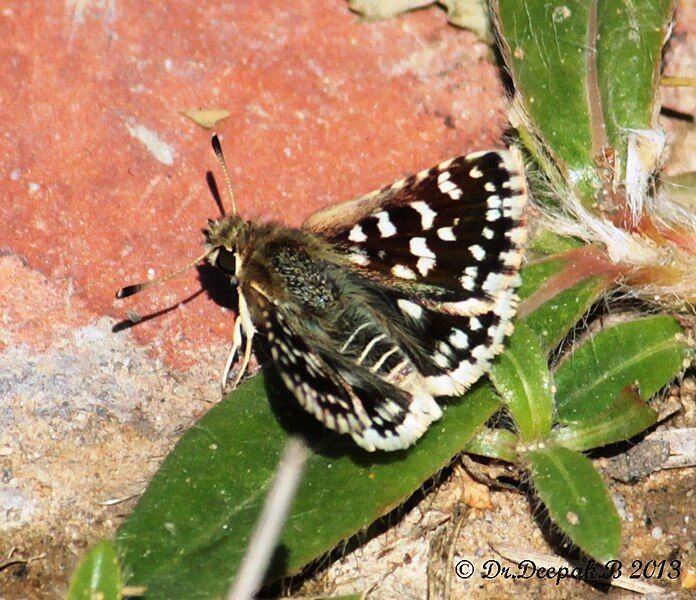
x,y
436,227
446,246
355,381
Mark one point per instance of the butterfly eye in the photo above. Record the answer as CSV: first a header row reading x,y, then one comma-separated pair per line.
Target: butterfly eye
x,y
225,261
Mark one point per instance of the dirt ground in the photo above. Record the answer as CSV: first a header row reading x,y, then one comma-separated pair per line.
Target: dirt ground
x,y
104,183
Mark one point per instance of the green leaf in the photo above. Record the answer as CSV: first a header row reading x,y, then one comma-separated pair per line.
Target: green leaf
x,y
577,499
569,62
649,351
522,379
627,416
553,319
494,443
200,508
97,576
630,39
546,47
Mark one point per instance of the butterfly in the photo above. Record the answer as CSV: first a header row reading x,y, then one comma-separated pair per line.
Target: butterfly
x,y
377,306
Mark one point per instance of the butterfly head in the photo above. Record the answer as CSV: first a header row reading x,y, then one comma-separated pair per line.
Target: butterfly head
x,y
222,239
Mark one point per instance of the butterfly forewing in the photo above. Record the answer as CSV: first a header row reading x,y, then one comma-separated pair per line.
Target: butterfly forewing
x,y
457,227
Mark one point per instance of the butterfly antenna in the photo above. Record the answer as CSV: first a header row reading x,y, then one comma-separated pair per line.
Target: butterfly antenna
x,y
129,290
225,171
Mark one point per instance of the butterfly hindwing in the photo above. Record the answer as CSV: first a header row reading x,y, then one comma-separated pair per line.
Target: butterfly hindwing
x,y
361,384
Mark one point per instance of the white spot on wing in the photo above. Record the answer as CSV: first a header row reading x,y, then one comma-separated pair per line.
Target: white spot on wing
x,y
444,176
427,214
424,265
496,282
446,234
518,235
359,259
459,339
410,308
385,226
403,272
418,247
447,186
357,234
494,201
468,283
441,361
511,259
477,252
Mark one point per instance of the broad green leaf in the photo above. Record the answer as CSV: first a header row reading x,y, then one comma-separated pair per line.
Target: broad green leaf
x,y
649,351
553,319
535,274
625,417
97,576
521,377
587,71
576,498
494,443
188,533
546,47
629,41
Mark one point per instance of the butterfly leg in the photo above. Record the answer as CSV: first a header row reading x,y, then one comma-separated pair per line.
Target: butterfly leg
x,y
243,330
